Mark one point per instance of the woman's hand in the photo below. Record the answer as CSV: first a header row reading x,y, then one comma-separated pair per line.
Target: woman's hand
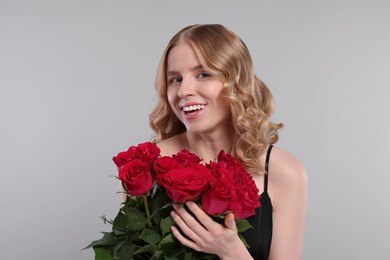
x,y
206,235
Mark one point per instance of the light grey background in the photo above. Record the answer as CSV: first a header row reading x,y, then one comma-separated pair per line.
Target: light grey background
x,y
76,87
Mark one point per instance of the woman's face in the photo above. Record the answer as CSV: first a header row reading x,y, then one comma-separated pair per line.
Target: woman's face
x,y
194,94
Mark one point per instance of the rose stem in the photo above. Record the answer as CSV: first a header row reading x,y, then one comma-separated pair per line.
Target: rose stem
x,y
147,211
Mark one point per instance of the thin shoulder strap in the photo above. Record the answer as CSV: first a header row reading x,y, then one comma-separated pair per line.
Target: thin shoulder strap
x,y
266,168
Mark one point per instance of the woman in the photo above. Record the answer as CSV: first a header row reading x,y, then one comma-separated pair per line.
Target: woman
x,y
210,99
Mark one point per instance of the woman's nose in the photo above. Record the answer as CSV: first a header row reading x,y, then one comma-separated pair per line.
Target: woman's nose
x,y
186,88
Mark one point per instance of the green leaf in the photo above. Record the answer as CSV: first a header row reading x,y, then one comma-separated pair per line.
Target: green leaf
x,y
187,256
107,239
161,213
243,225
120,222
160,200
102,253
175,250
115,248
118,232
136,220
150,235
168,239
160,206
172,258
166,224
126,252
133,202
156,255
148,248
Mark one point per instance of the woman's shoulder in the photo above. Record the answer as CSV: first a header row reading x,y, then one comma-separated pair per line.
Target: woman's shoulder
x,y
286,173
171,145
285,162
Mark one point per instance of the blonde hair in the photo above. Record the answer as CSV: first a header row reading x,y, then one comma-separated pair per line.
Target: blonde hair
x,y
226,56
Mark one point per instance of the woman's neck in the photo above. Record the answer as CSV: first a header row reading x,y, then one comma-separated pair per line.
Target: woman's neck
x,y
208,146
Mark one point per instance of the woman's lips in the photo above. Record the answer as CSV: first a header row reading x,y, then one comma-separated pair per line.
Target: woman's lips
x,y
192,111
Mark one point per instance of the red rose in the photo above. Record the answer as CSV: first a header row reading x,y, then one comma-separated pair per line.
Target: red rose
x,y
125,157
229,162
186,158
187,183
220,172
247,197
164,164
145,151
246,201
218,198
137,177
149,152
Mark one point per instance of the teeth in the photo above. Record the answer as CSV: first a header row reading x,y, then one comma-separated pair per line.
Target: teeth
x,y
192,108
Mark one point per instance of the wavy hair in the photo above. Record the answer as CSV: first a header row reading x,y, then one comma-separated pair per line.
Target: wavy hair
x,y
225,55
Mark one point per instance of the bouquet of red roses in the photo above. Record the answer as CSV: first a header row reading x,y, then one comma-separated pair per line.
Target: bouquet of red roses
x,y
141,230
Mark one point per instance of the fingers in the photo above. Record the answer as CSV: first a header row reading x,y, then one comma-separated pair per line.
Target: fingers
x,y
209,223
183,240
197,230
187,223
230,223
201,215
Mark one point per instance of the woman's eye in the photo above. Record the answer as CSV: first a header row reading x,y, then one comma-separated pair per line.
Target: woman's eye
x,y
203,75
175,80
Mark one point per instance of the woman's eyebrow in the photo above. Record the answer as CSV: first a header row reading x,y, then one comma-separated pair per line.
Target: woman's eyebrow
x,y
173,72
197,67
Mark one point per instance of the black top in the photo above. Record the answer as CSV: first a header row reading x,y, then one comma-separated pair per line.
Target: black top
x,y
259,238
